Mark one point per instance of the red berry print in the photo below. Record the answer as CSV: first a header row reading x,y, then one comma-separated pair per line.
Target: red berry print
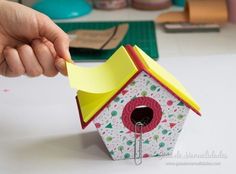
x,y
97,125
172,125
169,103
124,92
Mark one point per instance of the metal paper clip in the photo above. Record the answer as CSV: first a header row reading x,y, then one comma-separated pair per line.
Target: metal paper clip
x,y
138,130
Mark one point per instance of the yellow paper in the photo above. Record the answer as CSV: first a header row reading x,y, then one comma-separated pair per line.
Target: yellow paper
x,y
90,103
166,78
97,85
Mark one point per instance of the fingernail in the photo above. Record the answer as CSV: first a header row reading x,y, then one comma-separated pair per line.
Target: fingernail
x,y
61,67
69,60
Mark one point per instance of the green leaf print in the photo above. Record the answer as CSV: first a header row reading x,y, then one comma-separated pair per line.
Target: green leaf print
x,y
156,137
108,139
153,88
162,144
129,142
144,93
121,148
164,131
109,126
127,155
113,113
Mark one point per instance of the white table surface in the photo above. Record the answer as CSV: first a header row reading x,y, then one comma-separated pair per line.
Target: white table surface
x,y
40,130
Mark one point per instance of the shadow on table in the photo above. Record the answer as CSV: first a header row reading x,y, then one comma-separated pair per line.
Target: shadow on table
x,y
86,146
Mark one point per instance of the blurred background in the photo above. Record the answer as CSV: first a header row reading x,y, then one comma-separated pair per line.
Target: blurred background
x,y
26,2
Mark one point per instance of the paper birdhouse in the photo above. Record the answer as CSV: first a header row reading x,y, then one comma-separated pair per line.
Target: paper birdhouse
x,y
131,97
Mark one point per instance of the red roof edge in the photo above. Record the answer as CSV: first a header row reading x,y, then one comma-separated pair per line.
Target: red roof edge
x,y
141,67
170,91
135,57
85,124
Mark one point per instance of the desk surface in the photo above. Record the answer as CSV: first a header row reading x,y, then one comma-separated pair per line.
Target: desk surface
x,y
40,130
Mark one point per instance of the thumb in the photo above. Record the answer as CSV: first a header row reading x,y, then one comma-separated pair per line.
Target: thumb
x,y
60,40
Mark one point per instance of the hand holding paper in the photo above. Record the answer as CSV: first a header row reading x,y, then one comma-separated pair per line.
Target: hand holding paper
x,y
30,43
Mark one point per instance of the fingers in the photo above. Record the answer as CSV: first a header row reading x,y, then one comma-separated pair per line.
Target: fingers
x,y
61,66
59,63
12,66
45,58
33,60
29,60
50,46
19,61
53,33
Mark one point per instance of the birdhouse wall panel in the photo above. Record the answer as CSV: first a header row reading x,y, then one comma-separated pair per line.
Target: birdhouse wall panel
x,y
156,141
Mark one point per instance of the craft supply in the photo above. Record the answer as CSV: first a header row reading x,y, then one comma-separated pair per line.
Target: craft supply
x,y
232,10
151,4
198,12
110,4
98,39
186,28
63,9
141,33
132,95
180,3
138,134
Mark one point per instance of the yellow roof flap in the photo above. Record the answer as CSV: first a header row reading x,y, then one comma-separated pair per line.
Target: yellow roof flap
x,y
90,103
97,85
167,79
112,74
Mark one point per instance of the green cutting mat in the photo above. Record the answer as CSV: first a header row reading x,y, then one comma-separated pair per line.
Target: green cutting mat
x,y
140,33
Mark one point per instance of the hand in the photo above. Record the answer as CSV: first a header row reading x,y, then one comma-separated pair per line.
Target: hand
x,y
30,43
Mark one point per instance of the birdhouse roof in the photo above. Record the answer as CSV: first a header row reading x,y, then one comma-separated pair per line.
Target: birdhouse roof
x,y
97,86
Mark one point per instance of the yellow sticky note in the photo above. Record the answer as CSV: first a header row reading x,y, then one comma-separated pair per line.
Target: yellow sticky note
x,y
97,85
166,78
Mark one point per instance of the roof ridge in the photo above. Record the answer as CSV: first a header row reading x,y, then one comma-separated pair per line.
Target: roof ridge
x,y
135,58
144,67
141,67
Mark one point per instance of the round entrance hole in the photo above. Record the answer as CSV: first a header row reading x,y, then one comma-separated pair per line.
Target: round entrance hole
x,y
142,114
142,109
